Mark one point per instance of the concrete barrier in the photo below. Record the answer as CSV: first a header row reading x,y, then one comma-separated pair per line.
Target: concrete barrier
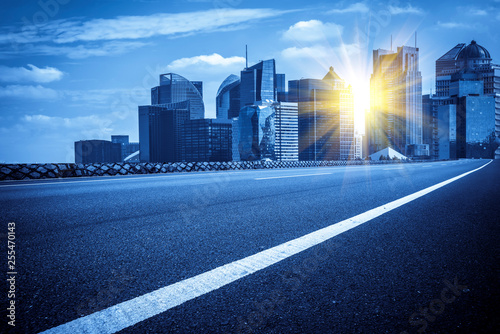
x,y
44,171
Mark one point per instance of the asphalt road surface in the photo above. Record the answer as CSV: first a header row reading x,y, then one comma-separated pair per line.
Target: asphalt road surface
x,y
222,252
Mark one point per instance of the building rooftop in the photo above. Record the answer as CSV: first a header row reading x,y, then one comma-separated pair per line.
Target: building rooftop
x,y
474,51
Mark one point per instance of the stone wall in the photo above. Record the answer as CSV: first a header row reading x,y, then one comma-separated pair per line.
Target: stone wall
x,y
43,171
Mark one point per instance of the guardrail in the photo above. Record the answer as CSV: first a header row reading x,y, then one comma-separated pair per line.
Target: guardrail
x,y
43,171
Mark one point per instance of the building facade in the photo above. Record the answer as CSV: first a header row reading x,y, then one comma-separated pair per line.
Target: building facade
x,y
257,133
325,119
97,151
463,58
174,88
127,147
160,129
287,135
466,120
205,140
258,83
227,101
395,118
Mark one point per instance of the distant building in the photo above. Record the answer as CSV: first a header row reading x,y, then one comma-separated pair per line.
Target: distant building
x,y
235,139
257,133
396,102
206,140
358,146
127,148
174,88
287,135
326,117
258,83
97,151
160,129
228,98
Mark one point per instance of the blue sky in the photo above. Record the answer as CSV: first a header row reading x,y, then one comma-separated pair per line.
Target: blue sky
x,y
73,70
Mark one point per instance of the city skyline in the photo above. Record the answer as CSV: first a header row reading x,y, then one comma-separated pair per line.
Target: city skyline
x,y
69,74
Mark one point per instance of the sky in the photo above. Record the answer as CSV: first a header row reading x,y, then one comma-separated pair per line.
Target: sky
x,y
75,70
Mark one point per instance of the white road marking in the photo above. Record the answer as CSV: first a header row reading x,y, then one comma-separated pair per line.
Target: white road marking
x,y
129,313
426,166
287,176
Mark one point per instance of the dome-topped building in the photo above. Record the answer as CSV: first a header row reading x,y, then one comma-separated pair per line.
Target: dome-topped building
x,y
474,51
473,56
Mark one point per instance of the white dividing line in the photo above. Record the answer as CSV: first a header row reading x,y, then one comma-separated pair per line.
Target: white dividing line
x,y
426,166
283,177
129,313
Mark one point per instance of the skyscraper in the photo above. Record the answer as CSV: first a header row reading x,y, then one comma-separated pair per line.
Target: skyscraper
x,y
258,83
160,129
326,117
228,98
395,118
174,88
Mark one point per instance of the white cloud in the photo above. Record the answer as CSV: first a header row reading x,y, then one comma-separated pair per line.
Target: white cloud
x,y
454,25
478,12
409,9
30,74
312,31
321,52
205,61
28,92
136,27
358,7
83,51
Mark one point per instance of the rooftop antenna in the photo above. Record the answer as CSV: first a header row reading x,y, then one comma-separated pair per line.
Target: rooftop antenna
x,y
415,39
246,55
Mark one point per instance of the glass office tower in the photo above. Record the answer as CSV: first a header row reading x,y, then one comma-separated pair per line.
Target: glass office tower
x,y
396,102
160,129
326,117
228,98
257,133
174,88
258,83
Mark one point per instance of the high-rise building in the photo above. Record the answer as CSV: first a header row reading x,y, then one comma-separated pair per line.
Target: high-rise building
x,y
462,58
326,117
174,88
160,129
396,102
206,140
228,98
257,133
258,83
97,151
287,135
466,121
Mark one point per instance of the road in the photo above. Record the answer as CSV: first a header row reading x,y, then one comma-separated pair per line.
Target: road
x,y
114,251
